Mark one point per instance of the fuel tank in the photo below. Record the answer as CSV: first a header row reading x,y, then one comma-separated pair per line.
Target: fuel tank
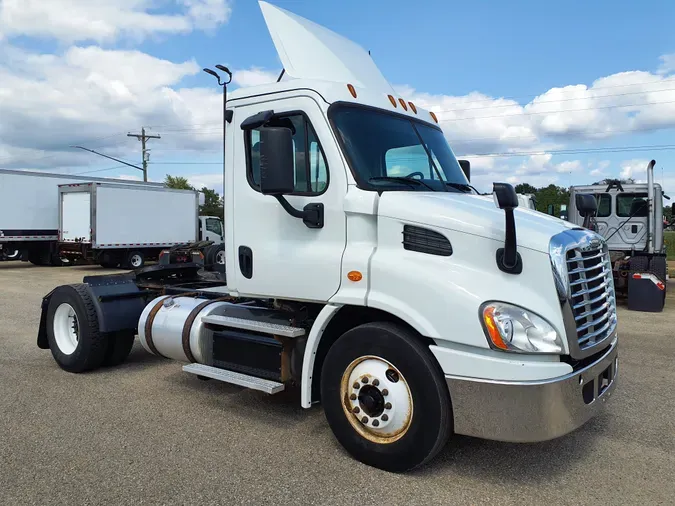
x,y
171,327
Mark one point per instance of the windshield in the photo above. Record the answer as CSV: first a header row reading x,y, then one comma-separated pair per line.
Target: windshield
x,y
382,146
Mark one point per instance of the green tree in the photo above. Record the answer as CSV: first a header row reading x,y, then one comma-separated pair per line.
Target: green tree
x,y
177,183
213,203
551,194
525,188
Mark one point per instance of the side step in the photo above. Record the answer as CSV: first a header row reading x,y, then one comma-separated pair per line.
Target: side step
x,y
235,378
253,325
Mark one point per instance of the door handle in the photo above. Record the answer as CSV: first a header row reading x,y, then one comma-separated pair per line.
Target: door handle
x,y
246,261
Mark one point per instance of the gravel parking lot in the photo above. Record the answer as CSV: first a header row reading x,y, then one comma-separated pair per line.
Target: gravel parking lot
x,y
147,433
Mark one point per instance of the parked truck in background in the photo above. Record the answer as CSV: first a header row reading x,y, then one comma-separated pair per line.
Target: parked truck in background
x,y
527,200
363,269
120,225
630,219
29,213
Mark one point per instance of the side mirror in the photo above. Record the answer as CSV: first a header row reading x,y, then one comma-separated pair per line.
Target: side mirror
x,y
586,204
277,172
508,258
550,209
466,168
505,195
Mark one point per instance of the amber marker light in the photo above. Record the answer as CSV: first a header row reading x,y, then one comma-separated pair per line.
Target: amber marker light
x,y
354,276
402,102
412,106
433,116
493,331
392,100
351,90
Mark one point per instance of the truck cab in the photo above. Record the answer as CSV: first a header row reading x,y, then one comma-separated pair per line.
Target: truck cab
x,y
629,217
362,269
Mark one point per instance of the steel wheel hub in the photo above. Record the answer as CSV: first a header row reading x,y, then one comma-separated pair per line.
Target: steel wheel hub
x,y
66,328
376,399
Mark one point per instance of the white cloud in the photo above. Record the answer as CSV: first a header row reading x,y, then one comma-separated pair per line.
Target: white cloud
x,y
635,169
600,168
667,64
254,76
105,21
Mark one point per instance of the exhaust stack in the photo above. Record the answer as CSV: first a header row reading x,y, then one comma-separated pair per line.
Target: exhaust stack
x,y
651,225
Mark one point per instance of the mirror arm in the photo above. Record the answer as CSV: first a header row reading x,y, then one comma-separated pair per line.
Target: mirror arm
x,y
311,215
508,258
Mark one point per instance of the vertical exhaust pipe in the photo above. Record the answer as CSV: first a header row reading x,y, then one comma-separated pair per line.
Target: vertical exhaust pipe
x,y
651,224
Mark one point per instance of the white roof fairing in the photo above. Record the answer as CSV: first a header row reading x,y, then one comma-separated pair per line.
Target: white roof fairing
x,y
310,51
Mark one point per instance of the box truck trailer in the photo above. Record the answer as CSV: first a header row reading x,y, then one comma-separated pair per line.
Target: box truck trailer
x,y
121,225
362,269
29,213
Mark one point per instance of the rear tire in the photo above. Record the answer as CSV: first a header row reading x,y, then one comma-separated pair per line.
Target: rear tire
x,y
404,418
72,329
659,266
135,260
119,347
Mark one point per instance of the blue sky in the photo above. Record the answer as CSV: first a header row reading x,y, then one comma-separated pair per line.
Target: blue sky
x,y
80,71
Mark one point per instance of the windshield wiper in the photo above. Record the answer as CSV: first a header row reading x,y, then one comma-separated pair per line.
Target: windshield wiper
x,y
461,186
401,179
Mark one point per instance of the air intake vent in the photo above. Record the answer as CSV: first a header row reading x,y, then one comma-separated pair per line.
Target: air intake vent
x,y
426,241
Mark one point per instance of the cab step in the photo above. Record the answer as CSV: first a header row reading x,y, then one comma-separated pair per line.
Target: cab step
x,y
254,326
235,378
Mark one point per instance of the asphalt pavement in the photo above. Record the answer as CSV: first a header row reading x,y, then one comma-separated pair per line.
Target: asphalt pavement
x,y
147,433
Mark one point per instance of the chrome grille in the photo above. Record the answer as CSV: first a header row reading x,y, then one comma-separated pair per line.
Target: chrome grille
x,y
592,294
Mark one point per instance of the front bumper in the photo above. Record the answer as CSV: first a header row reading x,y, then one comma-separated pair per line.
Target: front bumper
x,y
529,411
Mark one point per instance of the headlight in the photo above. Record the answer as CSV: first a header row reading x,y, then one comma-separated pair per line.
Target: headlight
x,y
512,328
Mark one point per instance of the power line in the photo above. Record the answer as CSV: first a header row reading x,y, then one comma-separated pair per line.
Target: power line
x,y
99,170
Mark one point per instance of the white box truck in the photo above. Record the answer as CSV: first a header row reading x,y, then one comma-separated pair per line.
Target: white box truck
x,y
364,271
112,224
29,213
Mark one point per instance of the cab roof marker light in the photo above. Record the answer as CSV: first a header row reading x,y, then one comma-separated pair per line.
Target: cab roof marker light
x,y
433,115
412,106
392,100
402,102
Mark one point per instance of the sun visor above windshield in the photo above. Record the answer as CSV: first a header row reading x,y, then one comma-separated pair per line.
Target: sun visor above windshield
x,y
310,51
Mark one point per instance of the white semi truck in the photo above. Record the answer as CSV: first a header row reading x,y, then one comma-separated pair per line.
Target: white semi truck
x,y
29,213
363,270
121,225
629,216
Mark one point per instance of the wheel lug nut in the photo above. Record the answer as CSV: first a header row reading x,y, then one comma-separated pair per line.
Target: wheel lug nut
x,y
385,392
356,410
364,419
387,405
376,382
352,397
385,417
364,380
356,385
375,423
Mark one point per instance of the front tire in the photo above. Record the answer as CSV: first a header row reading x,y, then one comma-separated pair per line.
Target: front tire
x,y
385,397
72,330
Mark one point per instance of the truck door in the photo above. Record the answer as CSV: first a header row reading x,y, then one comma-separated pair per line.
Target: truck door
x,y
277,255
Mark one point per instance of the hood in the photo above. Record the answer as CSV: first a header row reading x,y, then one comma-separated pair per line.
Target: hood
x,y
471,214
310,51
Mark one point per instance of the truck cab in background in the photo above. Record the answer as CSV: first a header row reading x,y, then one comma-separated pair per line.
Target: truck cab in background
x,y
363,270
630,219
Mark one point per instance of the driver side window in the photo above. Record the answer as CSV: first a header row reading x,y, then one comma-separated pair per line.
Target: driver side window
x,y
311,168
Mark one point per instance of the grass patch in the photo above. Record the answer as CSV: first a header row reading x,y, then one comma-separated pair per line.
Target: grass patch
x,y
670,244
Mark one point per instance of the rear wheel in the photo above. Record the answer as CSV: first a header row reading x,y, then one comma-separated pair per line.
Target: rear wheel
x,y
659,266
385,397
72,329
119,347
135,260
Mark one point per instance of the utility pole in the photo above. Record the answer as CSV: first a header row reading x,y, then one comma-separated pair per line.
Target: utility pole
x,y
146,156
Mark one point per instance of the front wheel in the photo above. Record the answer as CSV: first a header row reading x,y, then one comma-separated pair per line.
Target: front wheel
x,y
385,398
